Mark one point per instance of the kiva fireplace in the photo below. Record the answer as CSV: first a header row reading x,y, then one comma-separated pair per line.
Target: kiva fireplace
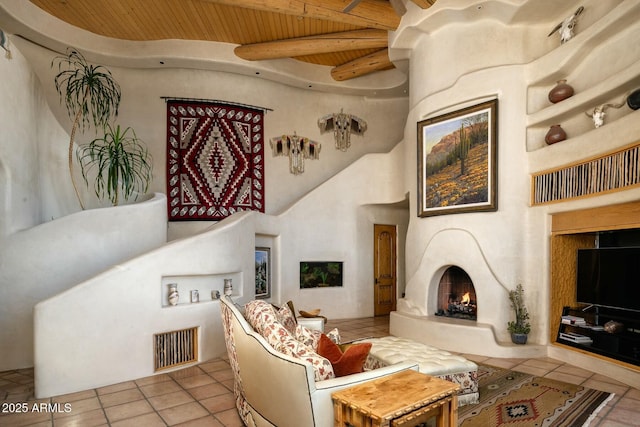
x,y
457,295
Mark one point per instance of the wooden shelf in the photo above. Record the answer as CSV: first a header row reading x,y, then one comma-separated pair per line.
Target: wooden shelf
x,y
592,63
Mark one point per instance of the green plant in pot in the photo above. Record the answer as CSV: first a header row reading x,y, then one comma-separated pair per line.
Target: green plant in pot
x,y
90,94
120,161
520,327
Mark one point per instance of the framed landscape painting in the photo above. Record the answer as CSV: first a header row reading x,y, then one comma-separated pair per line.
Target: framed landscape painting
x,y
263,272
457,161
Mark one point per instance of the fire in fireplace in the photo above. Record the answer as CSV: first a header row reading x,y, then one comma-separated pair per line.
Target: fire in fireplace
x,y
456,295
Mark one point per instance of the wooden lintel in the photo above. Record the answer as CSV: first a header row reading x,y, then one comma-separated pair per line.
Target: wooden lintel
x,y
323,43
369,13
424,4
359,67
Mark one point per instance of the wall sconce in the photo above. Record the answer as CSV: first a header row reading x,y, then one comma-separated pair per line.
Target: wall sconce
x,y
297,148
342,125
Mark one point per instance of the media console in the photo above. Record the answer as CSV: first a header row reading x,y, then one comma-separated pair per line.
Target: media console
x,y
584,328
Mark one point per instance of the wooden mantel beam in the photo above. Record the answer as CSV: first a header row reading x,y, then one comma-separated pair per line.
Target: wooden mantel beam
x,y
369,13
323,43
376,61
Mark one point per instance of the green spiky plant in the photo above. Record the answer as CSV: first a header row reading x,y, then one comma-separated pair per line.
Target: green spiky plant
x,y
90,94
521,325
120,162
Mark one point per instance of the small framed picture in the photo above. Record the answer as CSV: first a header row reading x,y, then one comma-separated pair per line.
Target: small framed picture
x,y
263,272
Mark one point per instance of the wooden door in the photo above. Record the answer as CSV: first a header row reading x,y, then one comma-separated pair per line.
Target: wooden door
x,y
384,269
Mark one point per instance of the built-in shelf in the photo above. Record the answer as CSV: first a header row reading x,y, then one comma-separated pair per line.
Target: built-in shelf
x,y
600,63
205,284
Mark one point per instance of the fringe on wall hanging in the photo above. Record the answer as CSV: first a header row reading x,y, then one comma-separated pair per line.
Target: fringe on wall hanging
x,y
343,125
297,148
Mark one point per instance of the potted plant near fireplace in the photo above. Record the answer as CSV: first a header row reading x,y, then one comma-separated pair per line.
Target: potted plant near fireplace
x,y
520,327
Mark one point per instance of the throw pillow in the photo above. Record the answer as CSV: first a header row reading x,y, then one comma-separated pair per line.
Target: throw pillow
x,y
349,362
287,319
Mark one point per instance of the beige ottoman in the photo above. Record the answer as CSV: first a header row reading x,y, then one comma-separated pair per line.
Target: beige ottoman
x,y
431,360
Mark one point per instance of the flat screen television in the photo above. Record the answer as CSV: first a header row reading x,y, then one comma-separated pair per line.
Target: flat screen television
x,y
609,277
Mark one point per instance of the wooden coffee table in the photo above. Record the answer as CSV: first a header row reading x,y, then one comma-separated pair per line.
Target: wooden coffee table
x,y
406,398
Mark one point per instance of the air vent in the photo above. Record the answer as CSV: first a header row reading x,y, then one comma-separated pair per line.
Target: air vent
x,y
175,348
615,171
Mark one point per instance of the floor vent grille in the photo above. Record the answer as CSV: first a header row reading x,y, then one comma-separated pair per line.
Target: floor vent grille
x,y
614,171
175,348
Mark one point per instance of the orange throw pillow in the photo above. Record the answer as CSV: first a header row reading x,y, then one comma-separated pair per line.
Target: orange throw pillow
x,y
349,362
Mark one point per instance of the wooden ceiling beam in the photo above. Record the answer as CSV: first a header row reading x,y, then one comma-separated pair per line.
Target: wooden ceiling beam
x,y
369,13
311,45
368,64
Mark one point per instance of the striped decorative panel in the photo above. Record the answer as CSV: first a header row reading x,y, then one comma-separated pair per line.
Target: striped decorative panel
x,y
614,171
175,348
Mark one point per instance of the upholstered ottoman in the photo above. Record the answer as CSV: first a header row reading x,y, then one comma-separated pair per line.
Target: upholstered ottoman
x,y
431,360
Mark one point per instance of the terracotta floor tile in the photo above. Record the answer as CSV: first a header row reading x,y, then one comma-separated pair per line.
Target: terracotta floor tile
x,y
154,379
574,370
79,407
169,400
92,418
219,403
128,410
567,378
72,397
116,387
208,390
120,397
146,420
230,418
183,413
196,380
532,370
208,421
605,386
157,389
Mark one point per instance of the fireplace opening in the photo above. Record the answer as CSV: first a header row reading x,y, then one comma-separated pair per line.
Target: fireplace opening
x,y
456,295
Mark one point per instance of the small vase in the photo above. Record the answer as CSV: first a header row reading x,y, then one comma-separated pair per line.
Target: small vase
x,y
228,287
555,134
633,100
560,92
173,295
519,338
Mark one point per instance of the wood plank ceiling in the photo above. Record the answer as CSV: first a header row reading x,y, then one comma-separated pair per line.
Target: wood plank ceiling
x,y
320,32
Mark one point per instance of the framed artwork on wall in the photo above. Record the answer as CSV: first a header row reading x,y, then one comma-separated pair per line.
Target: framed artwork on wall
x,y
263,272
320,274
457,161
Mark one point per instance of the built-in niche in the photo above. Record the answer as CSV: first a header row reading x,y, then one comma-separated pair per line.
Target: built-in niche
x,y
457,295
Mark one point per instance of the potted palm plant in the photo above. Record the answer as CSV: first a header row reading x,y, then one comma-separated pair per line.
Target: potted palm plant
x,y
121,163
90,94
520,327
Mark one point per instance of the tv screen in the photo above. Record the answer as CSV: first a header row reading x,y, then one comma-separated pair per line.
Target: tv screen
x,y
609,277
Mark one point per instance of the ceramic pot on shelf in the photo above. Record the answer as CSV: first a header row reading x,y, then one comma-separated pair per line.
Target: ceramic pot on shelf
x,y
633,100
561,91
555,134
228,287
173,295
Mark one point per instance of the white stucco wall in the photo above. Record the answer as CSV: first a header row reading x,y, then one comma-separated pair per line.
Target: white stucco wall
x,y
456,64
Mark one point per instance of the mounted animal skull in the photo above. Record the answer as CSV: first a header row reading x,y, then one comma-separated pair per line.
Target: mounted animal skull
x,y
599,113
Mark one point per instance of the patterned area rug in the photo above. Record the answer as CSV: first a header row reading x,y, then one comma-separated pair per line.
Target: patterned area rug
x,y
516,399
215,160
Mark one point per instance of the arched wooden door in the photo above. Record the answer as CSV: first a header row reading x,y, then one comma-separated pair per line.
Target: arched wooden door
x,y
384,269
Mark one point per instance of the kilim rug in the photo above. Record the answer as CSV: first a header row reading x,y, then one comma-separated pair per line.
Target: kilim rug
x,y
215,160
516,399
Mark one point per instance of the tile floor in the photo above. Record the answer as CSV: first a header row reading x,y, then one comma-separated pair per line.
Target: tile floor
x,y
202,395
